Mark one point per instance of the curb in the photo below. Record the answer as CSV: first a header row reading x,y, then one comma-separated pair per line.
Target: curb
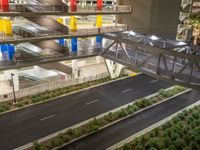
x,y
70,93
148,129
97,117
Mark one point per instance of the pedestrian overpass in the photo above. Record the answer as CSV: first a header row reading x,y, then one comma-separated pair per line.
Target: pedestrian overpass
x,y
165,59
168,60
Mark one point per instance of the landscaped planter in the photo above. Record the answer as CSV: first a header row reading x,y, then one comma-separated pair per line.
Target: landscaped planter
x,y
97,124
182,132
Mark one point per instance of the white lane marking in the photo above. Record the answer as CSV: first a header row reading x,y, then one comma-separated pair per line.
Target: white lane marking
x,y
127,90
47,117
92,102
154,81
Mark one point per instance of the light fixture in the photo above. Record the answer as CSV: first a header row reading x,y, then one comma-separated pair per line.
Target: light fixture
x,y
153,37
132,33
181,43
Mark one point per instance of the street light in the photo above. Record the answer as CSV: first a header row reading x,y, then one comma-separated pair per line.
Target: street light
x,y
13,86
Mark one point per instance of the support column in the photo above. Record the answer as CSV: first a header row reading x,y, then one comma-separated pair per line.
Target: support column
x,y
74,41
75,68
99,20
73,25
6,26
7,50
113,68
4,5
61,41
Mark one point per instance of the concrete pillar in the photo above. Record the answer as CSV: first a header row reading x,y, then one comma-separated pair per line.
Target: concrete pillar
x,y
75,68
98,59
159,17
113,68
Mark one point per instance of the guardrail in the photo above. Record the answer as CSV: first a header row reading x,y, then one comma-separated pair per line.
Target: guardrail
x,y
95,30
37,8
118,8
48,86
58,8
90,31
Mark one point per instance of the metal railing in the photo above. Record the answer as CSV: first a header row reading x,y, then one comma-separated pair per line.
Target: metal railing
x,y
167,60
58,8
48,86
37,8
80,32
86,9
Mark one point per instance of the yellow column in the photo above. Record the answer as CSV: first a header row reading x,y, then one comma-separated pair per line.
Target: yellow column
x,y
73,24
60,20
99,21
6,26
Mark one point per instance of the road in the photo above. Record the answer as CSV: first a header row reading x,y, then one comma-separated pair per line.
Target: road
x,y
116,133
23,126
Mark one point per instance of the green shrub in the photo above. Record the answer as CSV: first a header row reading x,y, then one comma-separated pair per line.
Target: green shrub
x,y
37,146
172,147
193,145
179,143
167,141
4,107
126,147
139,147
187,148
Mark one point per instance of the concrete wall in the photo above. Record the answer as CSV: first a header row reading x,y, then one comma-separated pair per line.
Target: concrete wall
x,y
159,17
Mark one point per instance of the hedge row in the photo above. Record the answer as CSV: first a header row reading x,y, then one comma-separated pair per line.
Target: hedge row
x,y
96,124
181,133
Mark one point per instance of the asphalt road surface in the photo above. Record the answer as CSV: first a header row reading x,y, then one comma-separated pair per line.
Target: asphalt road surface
x,y
26,125
111,135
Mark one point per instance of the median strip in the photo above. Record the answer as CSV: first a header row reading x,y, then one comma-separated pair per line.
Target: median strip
x,y
91,126
160,131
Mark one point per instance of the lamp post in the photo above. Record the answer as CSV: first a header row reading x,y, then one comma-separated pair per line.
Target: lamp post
x,y
13,86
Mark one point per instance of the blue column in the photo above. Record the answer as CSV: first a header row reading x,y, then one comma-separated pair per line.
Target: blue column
x,y
11,51
61,41
98,41
7,51
74,44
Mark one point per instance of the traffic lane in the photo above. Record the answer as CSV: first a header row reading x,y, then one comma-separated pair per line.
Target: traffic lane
x,y
70,110
111,135
105,91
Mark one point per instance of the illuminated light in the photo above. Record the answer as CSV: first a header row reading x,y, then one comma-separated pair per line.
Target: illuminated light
x,y
132,33
153,37
181,43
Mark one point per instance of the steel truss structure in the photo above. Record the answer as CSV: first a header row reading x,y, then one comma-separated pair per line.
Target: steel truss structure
x,y
167,60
